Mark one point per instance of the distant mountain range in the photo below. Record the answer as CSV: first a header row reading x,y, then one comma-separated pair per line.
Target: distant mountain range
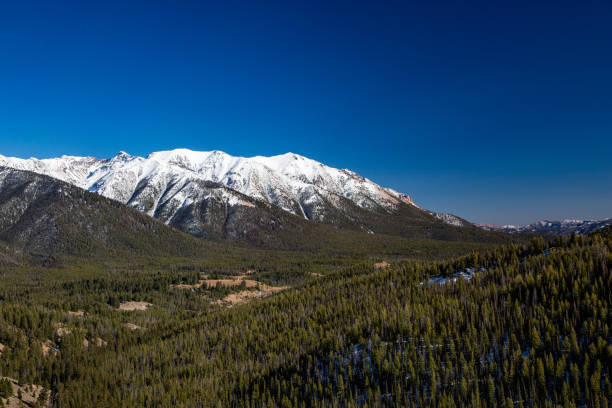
x,y
213,194
564,227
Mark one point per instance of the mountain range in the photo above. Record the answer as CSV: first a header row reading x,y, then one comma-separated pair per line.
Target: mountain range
x,y
564,227
163,182
216,195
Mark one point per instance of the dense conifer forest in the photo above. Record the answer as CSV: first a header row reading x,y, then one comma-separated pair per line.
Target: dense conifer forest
x,y
513,326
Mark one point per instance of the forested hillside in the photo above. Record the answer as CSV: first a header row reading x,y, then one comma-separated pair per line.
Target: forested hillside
x,y
45,218
514,326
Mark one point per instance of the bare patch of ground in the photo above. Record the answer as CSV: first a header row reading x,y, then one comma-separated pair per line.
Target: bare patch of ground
x,y
29,395
244,296
78,313
62,331
238,297
48,347
211,283
382,265
129,306
98,342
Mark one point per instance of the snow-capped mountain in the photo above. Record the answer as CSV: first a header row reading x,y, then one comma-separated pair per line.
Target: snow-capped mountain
x,y
551,227
165,182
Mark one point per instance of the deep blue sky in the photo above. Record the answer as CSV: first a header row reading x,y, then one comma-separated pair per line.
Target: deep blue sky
x,y
498,113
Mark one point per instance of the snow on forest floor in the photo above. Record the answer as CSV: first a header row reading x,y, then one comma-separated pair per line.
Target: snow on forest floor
x,y
466,274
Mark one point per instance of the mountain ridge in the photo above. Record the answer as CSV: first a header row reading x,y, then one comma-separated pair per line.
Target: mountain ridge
x,y
194,191
43,220
292,182
564,227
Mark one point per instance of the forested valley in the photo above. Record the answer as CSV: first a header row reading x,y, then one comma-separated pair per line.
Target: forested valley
x,y
520,325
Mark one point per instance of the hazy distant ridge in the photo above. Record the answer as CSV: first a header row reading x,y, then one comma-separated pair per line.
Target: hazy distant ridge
x,y
551,227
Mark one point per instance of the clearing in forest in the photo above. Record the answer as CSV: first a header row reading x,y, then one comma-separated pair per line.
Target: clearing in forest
x,y
211,283
250,283
382,265
98,342
237,298
78,313
244,296
48,346
62,331
129,306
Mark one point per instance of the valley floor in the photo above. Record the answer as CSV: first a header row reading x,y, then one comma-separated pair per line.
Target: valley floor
x,y
499,326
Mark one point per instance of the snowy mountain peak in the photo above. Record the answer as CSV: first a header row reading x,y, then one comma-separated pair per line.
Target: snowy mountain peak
x,y
123,154
122,157
294,183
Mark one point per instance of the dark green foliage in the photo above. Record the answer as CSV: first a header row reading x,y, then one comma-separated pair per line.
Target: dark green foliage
x,y
6,389
533,330
42,398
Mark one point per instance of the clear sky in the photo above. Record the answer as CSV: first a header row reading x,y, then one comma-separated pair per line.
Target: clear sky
x,y
495,111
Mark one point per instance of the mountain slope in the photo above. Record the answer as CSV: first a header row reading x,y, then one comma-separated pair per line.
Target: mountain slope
x,y
215,195
531,325
44,216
